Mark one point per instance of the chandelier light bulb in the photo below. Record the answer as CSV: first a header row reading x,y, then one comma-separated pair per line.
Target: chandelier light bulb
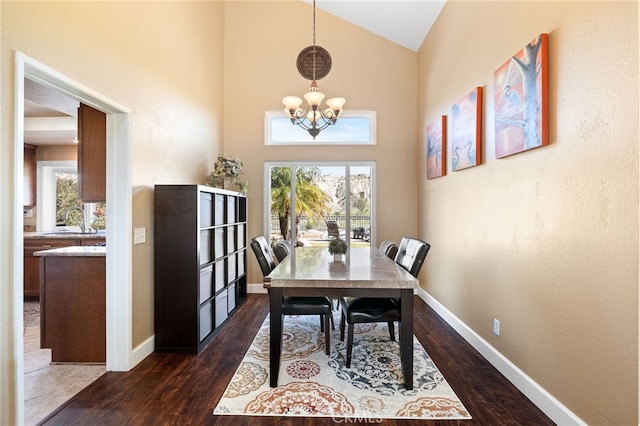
x,y
314,98
291,103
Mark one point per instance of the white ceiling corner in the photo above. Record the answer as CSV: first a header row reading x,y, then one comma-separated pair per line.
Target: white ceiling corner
x,y
404,22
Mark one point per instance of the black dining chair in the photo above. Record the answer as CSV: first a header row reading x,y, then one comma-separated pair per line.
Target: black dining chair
x,y
295,305
282,249
389,248
410,255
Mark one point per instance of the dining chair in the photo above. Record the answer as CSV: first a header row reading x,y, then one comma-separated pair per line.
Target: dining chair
x,y
410,255
282,249
295,305
389,248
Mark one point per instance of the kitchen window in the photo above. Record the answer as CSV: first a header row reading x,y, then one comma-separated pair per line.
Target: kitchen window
x,y
57,191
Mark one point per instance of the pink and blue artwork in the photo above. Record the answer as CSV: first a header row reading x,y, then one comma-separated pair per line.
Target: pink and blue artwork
x,y
466,131
521,99
436,148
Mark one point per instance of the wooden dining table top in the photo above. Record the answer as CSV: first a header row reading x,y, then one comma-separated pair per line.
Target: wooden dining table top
x,y
363,267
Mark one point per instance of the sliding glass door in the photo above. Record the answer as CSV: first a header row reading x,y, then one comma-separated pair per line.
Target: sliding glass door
x,y
322,201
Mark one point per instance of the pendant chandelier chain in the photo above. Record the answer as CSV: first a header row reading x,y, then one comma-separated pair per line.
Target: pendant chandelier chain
x,y
314,119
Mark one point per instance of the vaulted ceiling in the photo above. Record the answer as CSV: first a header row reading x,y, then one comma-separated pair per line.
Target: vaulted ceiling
x,y
50,117
405,22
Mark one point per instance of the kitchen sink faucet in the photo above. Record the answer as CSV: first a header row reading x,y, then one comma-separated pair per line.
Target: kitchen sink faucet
x,y
66,215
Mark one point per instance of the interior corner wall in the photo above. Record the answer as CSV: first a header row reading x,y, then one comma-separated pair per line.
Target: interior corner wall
x,y
262,42
546,240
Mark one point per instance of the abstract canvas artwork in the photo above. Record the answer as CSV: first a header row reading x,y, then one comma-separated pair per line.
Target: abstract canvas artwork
x,y
436,148
521,99
466,131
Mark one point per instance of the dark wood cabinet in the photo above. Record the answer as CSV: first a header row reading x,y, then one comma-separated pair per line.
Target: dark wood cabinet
x,y
29,175
31,263
73,308
200,263
92,155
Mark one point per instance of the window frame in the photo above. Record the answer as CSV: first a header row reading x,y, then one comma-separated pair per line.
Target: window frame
x,y
46,192
279,114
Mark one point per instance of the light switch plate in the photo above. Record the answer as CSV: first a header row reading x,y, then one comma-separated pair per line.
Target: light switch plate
x,y
139,235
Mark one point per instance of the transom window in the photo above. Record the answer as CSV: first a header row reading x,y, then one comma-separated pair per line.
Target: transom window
x,y
352,128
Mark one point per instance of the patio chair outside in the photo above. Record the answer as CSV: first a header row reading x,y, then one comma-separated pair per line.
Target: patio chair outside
x,y
333,231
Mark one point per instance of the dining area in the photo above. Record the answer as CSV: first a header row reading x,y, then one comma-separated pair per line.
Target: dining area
x,y
368,286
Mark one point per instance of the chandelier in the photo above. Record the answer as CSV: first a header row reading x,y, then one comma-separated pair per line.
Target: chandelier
x,y
314,63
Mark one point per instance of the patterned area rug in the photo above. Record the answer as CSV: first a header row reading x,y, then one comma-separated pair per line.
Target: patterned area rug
x,y
312,383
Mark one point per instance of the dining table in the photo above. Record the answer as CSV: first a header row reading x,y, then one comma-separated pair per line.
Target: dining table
x,y
363,272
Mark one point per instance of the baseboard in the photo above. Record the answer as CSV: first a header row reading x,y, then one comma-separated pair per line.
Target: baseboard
x,y
256,288
539,396
142,351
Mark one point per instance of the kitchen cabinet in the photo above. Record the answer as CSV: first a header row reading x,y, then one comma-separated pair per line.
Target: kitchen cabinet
x,y
73,304
200,263
29,175
92,155
31,263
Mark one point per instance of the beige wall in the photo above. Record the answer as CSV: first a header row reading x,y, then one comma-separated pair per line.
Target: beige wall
x,y
163,60
546,241
262,42
551,245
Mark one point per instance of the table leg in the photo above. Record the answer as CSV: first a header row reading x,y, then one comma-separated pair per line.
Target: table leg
x,y
406,336
275,334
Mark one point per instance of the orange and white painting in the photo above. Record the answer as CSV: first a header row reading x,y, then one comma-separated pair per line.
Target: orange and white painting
x,y
436,148
466,131
521,99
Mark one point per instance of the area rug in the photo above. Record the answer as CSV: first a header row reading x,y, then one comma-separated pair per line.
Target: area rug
x,y
313,384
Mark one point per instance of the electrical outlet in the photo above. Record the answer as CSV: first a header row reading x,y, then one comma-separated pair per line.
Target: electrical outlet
x,y
496,326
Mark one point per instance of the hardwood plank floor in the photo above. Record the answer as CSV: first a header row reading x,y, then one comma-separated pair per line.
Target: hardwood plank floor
x,y
171,389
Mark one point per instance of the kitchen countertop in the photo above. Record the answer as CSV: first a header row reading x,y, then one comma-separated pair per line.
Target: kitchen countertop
x,y
74,251
70,235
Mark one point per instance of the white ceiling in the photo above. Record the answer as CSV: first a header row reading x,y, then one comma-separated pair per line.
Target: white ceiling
x,y
50,117
405,22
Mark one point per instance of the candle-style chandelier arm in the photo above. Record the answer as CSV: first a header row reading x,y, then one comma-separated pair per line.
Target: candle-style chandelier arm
x,y
313,119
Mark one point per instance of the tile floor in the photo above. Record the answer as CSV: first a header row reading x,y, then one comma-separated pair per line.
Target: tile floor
x,y
48,386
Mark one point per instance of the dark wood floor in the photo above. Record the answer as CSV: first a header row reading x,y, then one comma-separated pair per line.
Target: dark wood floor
x,y
174,389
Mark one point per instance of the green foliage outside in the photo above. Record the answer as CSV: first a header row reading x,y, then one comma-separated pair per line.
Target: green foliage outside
x,y
67,196
310,199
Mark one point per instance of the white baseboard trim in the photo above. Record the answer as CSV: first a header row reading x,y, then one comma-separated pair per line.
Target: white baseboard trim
x,y
256,288
549,405
142,351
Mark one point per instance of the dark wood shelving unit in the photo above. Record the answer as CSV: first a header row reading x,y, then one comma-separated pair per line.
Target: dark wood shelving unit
x,y
200,263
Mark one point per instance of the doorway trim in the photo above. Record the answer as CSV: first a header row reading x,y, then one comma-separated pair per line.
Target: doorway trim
x,y
119,199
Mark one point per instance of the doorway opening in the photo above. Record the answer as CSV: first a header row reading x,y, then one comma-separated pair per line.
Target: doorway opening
x,y
118,261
